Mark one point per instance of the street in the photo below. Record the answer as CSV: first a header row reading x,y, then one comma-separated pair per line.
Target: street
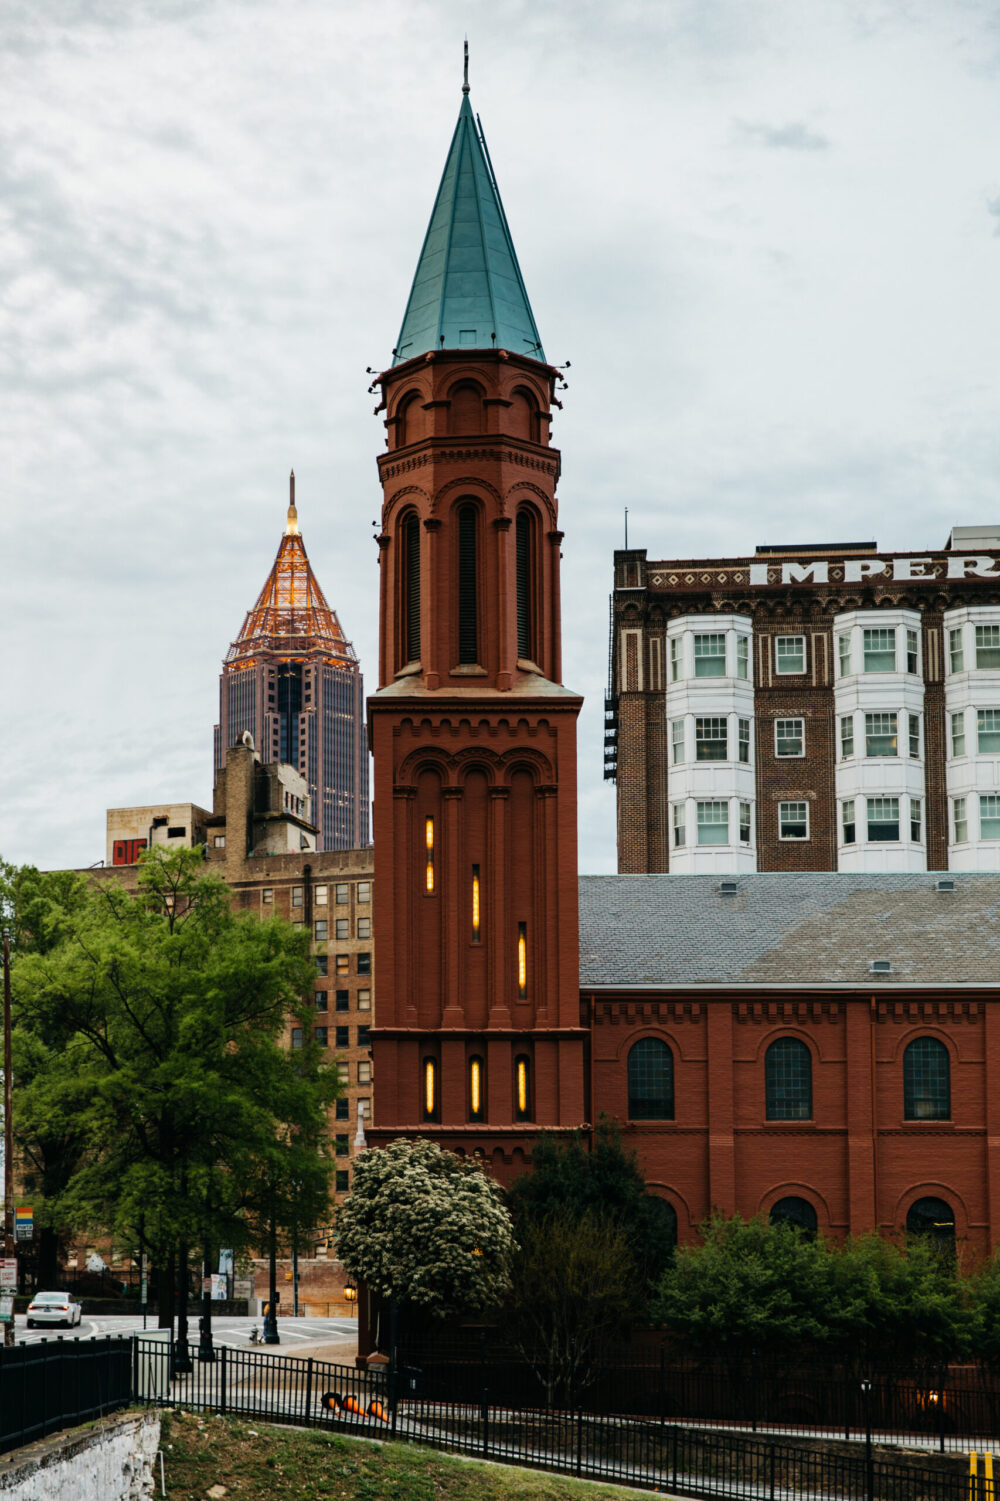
x,y
226,1330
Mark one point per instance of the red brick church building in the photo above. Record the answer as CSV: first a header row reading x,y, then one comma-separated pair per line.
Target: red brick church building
x,y
816,1046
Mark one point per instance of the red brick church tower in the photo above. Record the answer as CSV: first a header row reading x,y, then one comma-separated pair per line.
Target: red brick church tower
x,y
478,1042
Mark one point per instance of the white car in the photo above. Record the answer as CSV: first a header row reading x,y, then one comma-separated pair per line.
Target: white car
x,y
54,1308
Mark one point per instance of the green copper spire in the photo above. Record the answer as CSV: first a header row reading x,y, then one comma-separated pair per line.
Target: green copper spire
x,y
468,291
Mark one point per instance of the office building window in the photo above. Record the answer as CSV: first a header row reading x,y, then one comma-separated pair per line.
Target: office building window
x,y
956,654
343,1109
343,1000
364,927
296,896
883,820
914,735
710,738
958,734
364,964
342,893
789,737
364,1000
743,726
320,1035
343,928
343,1181
989,815
790,654
988,645
710,655
788,1081
678,824
675,659
926,1081
344,1072
713,823
742,656
343,964
341,1147
321,1000
364,1037
319,929
744,823
846,736
320,964
847,824
912,654
793,821
880,735
959,818
880,649
319,895
843,656
916,820
343,1037
988,730
296,1037
677,741
365,1071
364,893
267,895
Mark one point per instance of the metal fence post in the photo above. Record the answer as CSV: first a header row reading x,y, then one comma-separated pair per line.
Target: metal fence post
x,y
222,1379
940,1409
309,1391
663,1390
772,1466
579,1438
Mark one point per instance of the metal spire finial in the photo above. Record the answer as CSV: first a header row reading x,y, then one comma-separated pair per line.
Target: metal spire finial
x,y
292,524
465,76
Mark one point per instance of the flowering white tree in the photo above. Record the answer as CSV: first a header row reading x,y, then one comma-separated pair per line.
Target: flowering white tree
x,y
427,1228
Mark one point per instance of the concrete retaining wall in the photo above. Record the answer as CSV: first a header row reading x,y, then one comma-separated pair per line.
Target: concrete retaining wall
x,y
111,1461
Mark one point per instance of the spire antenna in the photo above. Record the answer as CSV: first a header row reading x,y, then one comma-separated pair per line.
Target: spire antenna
x,y
465,76
292,524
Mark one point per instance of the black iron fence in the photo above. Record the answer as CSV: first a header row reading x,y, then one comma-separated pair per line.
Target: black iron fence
x,y
57,1383
649,1454
937,1408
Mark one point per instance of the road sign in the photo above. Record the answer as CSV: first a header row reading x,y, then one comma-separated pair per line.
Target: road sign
x,y
6,1310
8,1273
24,1223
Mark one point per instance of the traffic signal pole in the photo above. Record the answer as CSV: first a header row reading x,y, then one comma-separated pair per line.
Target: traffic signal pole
x,y
8,1133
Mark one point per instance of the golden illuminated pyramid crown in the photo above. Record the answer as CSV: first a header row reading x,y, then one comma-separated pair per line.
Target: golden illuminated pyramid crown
x,y
291,616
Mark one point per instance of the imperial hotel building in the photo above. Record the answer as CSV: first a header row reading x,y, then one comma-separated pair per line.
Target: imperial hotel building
x,y
808,708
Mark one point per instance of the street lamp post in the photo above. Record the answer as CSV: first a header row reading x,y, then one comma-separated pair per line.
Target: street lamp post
x,y
8,1133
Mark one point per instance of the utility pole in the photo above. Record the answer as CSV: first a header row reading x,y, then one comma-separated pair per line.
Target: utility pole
x,y
8,1133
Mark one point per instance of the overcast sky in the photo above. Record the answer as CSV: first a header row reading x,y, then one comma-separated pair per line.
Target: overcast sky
x,y
765,232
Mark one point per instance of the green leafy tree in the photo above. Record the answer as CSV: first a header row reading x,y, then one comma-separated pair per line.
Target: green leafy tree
x,y
426,1228
747,1284
904,1303
602,1183
173,1009
574,1286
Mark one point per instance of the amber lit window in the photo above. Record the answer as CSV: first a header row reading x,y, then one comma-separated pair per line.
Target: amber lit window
x,y
429,848
475,904
477,1089
430,1089
522,960
522,1088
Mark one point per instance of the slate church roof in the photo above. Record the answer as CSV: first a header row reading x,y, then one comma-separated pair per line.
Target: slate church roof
x,y
813,929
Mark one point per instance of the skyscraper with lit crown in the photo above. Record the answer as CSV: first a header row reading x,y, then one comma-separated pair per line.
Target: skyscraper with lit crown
x,y
291,678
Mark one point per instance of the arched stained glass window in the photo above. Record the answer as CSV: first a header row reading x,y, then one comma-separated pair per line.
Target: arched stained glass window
x,y
788,1081
926,1081
650,1081
796,1212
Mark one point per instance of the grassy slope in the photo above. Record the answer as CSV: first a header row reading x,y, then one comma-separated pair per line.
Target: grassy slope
x,y
257,1463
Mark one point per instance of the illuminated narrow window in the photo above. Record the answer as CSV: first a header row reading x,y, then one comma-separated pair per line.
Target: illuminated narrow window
x,y
522,1088
475,904
522,960
477,1090
429,845
430,1089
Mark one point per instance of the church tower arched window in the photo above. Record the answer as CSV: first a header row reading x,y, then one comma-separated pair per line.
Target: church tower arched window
x,y
468,585
409,614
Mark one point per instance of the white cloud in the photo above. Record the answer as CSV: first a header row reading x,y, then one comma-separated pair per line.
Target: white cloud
x,y
209,217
